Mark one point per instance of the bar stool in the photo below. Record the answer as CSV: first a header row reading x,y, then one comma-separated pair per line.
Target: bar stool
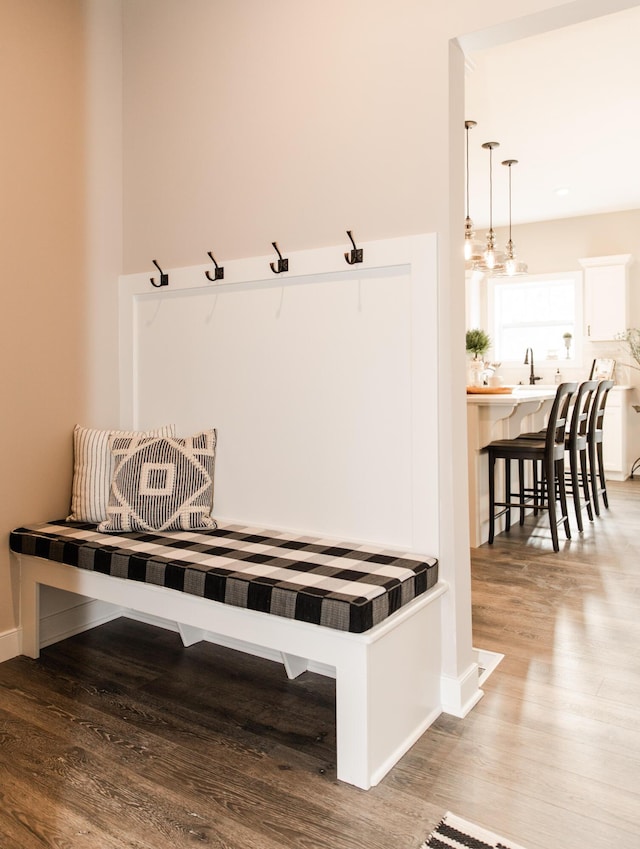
x,y
577,476
549,449
576,446
594,443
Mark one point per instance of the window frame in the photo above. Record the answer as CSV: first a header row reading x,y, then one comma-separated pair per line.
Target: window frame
x,y
577,358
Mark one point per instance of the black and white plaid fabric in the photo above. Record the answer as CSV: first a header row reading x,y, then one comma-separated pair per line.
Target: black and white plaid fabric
x,y
306,578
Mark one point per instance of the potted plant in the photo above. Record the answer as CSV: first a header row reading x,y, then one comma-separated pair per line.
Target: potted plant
x,y
478,343
567,341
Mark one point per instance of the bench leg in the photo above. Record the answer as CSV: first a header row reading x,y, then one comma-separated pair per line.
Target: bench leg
x,y
387,695
29,614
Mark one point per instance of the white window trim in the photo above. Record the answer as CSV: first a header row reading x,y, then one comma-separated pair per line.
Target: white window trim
x,y
577,361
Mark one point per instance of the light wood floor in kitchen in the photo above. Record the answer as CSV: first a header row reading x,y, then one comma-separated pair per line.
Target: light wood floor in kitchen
x,y
122,738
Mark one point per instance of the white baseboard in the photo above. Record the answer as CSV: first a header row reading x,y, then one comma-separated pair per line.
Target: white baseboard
x,y
459,695
9,644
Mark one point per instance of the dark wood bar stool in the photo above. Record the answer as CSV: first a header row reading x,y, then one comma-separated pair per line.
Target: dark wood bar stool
x,y
594,443
577,476
576,446
549,450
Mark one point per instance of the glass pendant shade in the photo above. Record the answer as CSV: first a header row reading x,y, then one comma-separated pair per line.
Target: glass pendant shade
x,y
512,267
473,249
493,260
469,236
484,258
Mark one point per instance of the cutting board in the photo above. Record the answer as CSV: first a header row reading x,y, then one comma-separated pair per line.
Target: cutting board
x,y
489,390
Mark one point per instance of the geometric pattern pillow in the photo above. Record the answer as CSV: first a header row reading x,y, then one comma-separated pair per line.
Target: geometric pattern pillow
x,y
93,469
161,483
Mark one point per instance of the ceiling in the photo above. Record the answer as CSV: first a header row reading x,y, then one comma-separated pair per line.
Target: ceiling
x,y
566,105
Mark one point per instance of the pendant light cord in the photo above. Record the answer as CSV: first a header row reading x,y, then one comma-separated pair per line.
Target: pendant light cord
x,y
491,189
509,201
468,125
467,129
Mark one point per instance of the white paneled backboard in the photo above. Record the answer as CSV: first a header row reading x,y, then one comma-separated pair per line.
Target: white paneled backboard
x,y
321,382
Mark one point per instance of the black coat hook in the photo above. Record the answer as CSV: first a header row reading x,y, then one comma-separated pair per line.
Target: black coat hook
x,y
283,264
356,255
164,278
218,273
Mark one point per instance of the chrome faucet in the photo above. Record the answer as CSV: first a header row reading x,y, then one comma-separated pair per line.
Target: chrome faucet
x,y
532,374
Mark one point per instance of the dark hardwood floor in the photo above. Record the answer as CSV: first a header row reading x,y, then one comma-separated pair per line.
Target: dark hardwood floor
x,y
120,737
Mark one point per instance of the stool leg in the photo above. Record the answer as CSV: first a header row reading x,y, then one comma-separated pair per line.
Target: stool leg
x,y
563,497
536,488
603,480
507,494
550,474
521,479
593,478
492,496
584,474
575,487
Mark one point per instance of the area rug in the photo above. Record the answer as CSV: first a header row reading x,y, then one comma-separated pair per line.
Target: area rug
x,y
455,833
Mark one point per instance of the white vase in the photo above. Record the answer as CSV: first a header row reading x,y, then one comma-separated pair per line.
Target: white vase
x,y
474,372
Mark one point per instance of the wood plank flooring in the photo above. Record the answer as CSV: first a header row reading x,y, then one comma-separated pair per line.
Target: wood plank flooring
x,y
120,737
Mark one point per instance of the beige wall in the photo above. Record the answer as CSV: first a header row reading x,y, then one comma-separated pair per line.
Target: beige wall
x,y
103,210
42,295
550,246
57,294
251,121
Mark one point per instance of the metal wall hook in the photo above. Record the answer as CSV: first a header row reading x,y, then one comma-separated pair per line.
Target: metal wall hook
x,y
283,264
164,278
356,255
218,273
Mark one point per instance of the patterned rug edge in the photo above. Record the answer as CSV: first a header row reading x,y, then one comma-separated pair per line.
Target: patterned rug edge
x,y
453,832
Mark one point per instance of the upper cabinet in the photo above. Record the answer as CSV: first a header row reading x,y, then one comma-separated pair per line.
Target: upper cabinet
x,y
606,296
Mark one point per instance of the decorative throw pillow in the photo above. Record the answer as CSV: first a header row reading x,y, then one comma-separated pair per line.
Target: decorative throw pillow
x,y
93,469
161,483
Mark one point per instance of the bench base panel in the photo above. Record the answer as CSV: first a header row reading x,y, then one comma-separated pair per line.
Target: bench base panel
x,y
388,680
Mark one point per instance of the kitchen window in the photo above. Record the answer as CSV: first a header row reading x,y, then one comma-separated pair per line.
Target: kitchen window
x,y
536,311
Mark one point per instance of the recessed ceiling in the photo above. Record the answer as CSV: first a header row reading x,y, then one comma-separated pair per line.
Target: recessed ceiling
x,y
566,105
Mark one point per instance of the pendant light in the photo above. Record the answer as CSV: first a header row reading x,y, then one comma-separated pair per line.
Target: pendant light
x,y
473,260
493,259
512,268
469,235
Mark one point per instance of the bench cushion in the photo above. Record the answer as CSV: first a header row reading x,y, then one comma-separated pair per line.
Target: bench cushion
x,y
342,586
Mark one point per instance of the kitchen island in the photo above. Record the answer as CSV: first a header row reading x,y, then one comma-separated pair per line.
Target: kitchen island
x,y
497,415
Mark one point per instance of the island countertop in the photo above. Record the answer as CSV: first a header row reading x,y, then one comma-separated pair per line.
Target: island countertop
x,y
499,415
517,395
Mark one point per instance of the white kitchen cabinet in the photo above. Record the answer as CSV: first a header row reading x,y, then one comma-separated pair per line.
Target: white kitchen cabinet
x,y
606,296
620,433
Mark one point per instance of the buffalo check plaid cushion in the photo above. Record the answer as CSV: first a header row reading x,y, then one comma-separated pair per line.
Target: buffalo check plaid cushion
x,y
342,586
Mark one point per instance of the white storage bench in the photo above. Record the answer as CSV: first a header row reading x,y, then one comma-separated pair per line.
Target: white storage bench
x,y
371,614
